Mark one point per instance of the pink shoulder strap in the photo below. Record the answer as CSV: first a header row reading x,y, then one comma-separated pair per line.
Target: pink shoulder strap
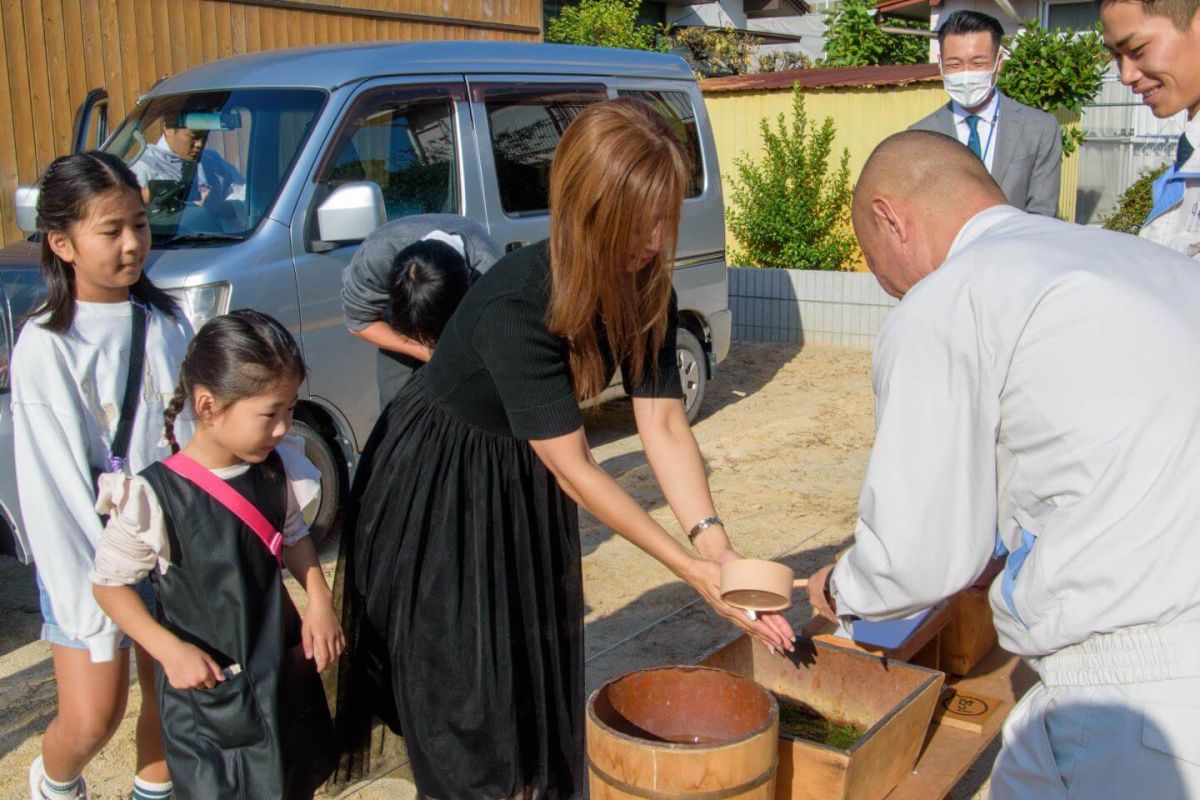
x,y
229,497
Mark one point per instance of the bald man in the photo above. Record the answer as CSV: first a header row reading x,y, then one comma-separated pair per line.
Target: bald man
x,y
1038,396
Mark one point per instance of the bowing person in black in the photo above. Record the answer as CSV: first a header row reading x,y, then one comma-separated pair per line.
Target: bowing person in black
x,y
462,557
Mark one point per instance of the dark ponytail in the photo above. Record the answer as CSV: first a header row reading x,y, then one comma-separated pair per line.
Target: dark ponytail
x,y
237,355
429,279
66,188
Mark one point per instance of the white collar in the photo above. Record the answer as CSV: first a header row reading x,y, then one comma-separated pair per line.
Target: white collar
x,y
980,224
986,114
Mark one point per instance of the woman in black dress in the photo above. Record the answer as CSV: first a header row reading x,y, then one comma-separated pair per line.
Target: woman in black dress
x,y
462,550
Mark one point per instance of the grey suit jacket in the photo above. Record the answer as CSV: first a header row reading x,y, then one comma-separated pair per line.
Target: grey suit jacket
x,y
1028,160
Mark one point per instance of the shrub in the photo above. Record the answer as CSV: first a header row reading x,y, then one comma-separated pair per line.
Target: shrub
x,y
604,23
789,209
783,61
852,39
1134,205
715,52
1059,70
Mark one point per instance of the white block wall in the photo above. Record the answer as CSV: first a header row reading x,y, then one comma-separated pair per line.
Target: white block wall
x,y
791,305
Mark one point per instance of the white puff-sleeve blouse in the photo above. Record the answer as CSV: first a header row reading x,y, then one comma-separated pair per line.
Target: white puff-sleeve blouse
x,y
135,540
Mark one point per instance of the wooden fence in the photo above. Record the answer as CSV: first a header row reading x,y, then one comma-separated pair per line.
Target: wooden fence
x,y
56,50
867,105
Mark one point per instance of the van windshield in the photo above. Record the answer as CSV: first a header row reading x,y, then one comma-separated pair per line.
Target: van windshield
x,y
211,163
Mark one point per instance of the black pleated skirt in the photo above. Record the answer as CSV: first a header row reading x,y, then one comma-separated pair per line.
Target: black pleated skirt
x,y
462,598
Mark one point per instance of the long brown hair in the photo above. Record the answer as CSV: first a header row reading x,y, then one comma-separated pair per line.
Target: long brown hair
x,y
618,171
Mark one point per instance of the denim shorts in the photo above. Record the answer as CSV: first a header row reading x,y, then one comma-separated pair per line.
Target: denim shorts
x,y
54,635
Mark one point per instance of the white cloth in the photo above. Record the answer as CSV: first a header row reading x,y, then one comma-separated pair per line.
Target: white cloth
x,y
66,398
159,162
1102,743
1044,383
988,126
1179,227
135,542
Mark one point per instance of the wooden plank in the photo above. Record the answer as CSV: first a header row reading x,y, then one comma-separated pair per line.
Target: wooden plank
x,y
194,14
160,16
283,35
93,47
949,752
223,30
237,27
253,29
110,47
18,81
127,22
210,49
308,27
266,21
77,85
961,709
177,25
61,108
8,150
145,49
39,84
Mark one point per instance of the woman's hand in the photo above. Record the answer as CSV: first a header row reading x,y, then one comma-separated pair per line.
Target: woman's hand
x,y
321,632
188,667
770,629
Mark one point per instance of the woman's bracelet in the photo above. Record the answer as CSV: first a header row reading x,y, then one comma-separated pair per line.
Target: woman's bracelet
x,y
702,526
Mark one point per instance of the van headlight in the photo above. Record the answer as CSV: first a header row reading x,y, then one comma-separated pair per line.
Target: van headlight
x,y
202,303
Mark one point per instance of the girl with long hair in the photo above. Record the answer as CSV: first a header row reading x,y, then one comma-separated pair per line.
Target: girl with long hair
x,y
462,558
81,405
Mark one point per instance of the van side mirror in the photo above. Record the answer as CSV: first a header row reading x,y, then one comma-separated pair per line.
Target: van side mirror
x,y
25,201
351,213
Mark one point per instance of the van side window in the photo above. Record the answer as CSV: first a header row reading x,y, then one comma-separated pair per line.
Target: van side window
x,y
402,140
526,123
677,108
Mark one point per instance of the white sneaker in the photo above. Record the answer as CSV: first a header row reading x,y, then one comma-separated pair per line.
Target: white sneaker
x,y
37,773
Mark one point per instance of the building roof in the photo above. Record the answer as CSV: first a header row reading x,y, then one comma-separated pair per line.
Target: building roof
x,y
330,66
828,78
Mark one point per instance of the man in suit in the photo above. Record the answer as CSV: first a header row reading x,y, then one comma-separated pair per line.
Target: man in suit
x,y
1020,146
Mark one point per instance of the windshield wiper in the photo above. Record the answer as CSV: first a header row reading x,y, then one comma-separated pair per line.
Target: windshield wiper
x,y
199,237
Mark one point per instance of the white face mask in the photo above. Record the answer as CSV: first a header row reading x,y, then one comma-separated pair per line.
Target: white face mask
x,y
971,88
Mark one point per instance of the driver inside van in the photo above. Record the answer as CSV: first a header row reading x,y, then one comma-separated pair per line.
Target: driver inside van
x,y
179,170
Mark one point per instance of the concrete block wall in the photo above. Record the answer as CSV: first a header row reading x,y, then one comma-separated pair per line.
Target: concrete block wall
x,y
791,305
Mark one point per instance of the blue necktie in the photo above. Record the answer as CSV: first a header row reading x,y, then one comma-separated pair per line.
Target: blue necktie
x,y
1184,151
973,139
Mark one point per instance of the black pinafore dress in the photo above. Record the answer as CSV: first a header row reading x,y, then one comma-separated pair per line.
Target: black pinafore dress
x,y
266,732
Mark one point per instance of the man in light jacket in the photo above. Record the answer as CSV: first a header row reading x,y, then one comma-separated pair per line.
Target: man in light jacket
x,y
1038,395
1021,146
1156,44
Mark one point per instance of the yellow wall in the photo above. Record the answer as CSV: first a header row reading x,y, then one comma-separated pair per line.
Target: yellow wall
x,y
862,117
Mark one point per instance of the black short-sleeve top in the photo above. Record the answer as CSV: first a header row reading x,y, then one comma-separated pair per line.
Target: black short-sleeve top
x,y
499,367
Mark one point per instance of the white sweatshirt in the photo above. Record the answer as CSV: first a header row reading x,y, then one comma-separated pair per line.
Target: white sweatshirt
x,y
1044,382
66,398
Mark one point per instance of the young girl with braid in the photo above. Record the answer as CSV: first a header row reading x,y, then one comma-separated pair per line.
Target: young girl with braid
x,y
242,708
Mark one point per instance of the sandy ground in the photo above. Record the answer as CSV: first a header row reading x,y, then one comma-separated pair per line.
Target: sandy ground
x,y
786,433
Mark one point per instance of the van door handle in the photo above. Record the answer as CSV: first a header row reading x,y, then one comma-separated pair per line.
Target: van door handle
x,y
517,245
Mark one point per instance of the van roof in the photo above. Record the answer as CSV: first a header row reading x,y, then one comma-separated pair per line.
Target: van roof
x,y
331,66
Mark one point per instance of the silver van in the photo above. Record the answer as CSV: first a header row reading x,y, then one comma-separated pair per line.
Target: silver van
x,y
307,151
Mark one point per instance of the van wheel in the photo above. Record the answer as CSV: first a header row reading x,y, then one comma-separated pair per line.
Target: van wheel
x,y
318,450
693,372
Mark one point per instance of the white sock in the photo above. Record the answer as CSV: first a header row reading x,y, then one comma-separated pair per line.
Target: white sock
x,y
52,790
148,790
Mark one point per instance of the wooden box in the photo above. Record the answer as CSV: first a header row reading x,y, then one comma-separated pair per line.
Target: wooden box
x,y
893,700
969,635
